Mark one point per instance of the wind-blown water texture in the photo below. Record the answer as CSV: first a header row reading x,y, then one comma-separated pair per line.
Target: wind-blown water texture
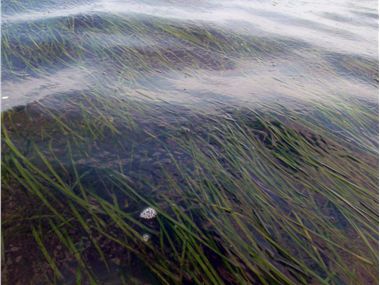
x,y
325,48
250,126
239,53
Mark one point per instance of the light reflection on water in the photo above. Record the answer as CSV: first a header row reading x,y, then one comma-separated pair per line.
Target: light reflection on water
x,y
308,49
182,57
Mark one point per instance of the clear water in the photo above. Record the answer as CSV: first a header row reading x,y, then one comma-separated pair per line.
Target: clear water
x,y
316,59
307,50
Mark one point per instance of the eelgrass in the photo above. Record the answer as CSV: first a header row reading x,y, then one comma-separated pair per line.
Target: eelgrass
x,y
244,200
266,194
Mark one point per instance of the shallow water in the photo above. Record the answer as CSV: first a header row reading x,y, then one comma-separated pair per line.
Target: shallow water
x,y
305,50
100,86
282,51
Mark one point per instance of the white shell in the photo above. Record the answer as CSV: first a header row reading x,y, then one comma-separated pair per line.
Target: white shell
x,y
146,237
148,213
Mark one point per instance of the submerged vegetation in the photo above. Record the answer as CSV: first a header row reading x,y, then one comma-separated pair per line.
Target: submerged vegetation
x,y
107,181
242,196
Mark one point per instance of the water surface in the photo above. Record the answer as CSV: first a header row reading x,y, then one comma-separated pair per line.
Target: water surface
x,y
251,123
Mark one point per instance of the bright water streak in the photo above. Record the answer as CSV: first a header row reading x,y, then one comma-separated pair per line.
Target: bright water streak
x,y
300,49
